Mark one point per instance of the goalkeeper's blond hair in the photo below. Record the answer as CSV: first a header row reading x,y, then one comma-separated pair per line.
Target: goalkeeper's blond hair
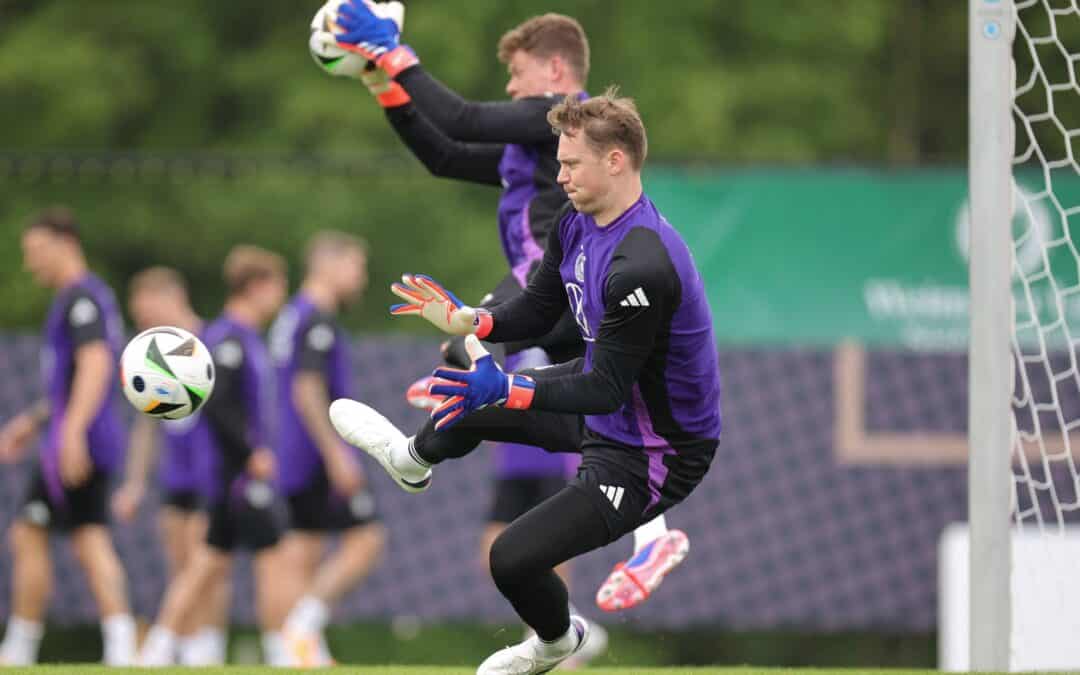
x,y
607,121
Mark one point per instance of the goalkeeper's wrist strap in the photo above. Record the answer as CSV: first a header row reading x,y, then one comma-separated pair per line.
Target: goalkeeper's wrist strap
x,y
483,323
397,59
388,93
395,96
522,388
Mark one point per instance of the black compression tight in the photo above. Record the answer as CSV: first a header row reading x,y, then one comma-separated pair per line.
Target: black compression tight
x,y
524,557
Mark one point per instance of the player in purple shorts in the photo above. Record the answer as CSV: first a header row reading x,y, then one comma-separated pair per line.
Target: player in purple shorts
x,y
506,144
157,296
82,446
642,406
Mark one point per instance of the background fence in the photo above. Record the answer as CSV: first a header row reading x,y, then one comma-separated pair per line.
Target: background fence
x,y
784,531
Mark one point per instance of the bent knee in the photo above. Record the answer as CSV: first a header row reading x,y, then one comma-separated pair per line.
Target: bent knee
x,y
509,563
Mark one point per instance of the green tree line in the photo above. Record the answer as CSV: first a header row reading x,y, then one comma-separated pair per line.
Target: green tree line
x,y
176,129
718,80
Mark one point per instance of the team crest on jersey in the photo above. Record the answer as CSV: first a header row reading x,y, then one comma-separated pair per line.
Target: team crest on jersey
x,y
229,354
321,337
576,296
579,266
83,312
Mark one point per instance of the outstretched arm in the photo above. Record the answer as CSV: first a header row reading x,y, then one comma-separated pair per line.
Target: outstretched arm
x,y
522,121
442,155
625,341
378,38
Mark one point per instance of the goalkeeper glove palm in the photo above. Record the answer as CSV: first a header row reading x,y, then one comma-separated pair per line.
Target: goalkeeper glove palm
x,y
427,298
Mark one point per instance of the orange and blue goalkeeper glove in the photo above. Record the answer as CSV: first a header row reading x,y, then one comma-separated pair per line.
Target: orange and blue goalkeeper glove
x,y
427,298
377,38
484,384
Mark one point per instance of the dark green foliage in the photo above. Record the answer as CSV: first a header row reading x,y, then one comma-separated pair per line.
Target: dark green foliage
x,y
92,90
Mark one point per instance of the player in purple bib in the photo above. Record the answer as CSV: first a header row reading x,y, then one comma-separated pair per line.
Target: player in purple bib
x,y
507,144
642,406
82,444
157,296
234,461
320,475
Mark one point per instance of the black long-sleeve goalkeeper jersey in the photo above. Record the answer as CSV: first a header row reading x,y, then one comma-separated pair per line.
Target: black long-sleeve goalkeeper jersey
x,y
651,374
505,143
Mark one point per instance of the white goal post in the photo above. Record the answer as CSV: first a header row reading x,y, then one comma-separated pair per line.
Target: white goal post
x,y
1024,381
990,153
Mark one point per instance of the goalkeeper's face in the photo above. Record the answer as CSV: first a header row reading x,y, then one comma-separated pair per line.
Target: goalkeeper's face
x,y
532,75
584,173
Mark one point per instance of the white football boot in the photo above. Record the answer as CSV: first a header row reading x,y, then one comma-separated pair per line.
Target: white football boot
x,y
532,656
365,428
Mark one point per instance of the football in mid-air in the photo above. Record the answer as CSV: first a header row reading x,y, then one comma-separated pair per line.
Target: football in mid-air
x,y
167,372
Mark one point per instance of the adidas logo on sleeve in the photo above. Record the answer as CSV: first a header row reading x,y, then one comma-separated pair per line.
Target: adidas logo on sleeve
x,y
635,299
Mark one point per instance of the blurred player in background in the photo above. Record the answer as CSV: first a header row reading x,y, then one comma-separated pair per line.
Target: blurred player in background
x,y
83,444
157,296
507,144
642,406
235,461
320,475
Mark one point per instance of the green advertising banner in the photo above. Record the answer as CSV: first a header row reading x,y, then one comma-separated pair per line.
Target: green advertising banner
x,y
817,256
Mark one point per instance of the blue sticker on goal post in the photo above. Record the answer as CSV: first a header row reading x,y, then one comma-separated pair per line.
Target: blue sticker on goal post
x,y
992,30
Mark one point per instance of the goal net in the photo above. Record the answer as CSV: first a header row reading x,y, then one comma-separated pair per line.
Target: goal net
x,y
1046,264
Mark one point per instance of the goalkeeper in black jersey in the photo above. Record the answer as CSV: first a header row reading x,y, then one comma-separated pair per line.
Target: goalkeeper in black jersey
x,y
507,144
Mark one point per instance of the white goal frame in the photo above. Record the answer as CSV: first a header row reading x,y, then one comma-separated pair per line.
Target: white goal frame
x,y
991,28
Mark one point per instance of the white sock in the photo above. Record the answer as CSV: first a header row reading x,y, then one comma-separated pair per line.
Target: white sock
x,y
187,649
118,638
21,641
205,647
657,527
562,645
159,648
274,649
408,463
309,615
215,642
